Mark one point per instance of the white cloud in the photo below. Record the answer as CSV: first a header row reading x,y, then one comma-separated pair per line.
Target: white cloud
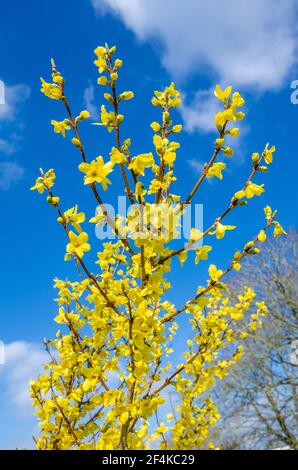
x,y
196,165
7,147
10,172
11,99
199,115
10,144
14,96
89,101
249,44
23,361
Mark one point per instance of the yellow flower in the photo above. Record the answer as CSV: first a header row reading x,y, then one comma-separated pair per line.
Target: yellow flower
x,y
223,116
100,51
216,170
268,154
106,117
202,253
46,181
268,212
237,266
140,162
169,97
124,417
116,156
78,244
278,230
100,62
195,235
61,127
73,217
161,429
97,171
51,90
39,185
237,100
109,119
169,157
98,217
222,95
221,230
214,273
253,189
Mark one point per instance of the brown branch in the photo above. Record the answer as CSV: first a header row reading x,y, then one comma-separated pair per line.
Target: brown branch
x,y
213,284
109,220
219,219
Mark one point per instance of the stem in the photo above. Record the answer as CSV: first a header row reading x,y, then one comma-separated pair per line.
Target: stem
x,y
93,185
219,219
213,284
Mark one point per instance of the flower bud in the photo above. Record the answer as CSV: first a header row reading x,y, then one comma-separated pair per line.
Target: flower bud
x,y
155,126
109,98
83,115
114,76
118,63
126,95
177,128
248,246
234,132
102,80
76,142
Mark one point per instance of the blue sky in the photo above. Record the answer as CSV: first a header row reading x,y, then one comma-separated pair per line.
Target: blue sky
x,y
254,49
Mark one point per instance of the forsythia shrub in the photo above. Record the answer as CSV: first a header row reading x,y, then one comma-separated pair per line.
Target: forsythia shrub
x,y
112,367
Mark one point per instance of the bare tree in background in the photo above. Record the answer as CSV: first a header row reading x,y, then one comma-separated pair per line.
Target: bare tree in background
x,y
259,399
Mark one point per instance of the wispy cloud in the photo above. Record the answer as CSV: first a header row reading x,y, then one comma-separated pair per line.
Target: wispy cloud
x,y
14,95
199,114
7,147
12,98
89,93
196,165
10,172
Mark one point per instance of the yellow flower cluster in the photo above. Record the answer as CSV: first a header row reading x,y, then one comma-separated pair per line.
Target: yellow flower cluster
x,y
113,362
